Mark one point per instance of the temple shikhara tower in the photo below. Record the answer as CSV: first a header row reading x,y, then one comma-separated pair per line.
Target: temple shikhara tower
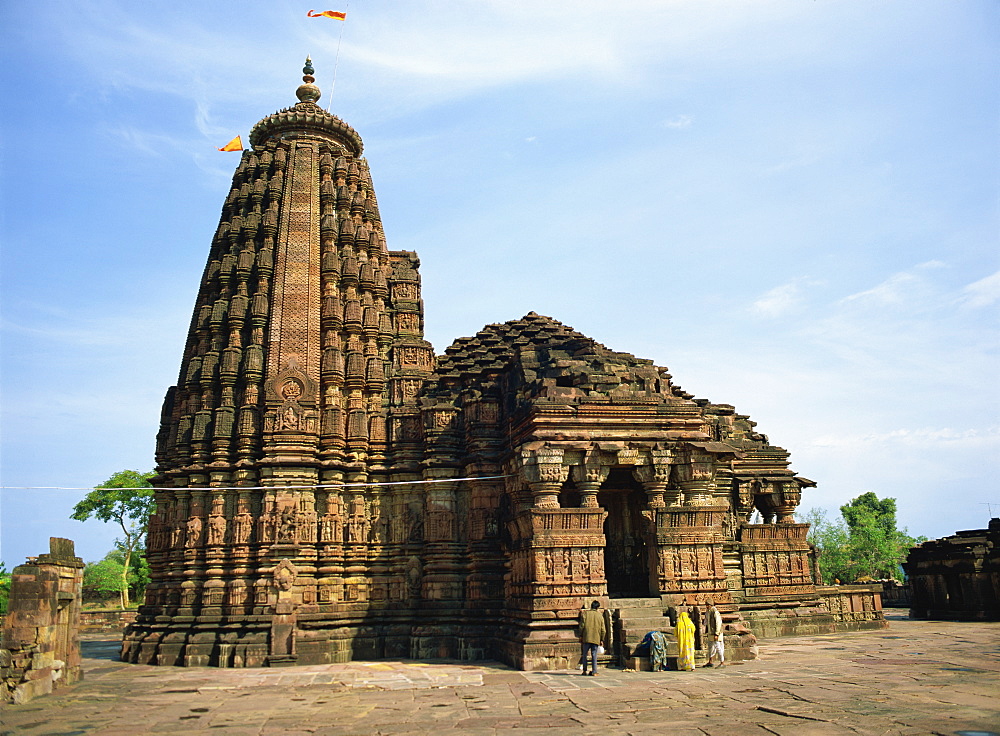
x,y
329,489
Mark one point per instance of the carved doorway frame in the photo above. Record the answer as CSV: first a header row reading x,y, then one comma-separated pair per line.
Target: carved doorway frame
x,y
626,552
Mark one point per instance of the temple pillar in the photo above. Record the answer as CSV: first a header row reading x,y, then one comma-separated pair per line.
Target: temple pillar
x,y
545,474
588,478
778,499
655,477
696,477
546,495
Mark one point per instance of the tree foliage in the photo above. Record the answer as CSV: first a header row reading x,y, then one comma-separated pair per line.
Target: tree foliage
x,y
830,540
109,575
103,578
126,498
864,544
5,579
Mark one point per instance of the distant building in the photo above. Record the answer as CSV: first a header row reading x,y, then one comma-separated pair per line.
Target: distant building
x,y
957,577
328,489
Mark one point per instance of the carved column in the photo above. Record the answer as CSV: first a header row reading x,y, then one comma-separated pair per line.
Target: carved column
x,y
788,496
696,476
545,473
743,498
655,477
777,500
588,478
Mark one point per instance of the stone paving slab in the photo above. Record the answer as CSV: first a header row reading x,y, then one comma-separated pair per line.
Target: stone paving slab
x,y
914,678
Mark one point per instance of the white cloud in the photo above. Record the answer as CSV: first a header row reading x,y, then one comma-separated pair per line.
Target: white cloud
x,y
153,143
418,54
679,122
982,293
788,299
779,301
901,288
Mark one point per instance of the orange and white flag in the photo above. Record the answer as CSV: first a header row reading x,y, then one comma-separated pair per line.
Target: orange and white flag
x,y
236,144
335,14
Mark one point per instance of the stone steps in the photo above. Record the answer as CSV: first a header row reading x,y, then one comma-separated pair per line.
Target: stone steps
x,y
633,619
654,623
634,603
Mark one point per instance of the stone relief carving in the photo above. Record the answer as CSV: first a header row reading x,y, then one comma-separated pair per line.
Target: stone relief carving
x,y
284,575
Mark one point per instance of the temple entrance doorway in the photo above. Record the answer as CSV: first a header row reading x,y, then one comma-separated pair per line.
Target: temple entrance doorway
x,y
626,564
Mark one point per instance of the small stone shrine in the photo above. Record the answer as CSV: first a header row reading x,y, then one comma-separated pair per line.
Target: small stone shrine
x,y
328,489
40,645
958,577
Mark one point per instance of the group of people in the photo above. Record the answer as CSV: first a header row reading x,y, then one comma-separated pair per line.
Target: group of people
x,y
594,633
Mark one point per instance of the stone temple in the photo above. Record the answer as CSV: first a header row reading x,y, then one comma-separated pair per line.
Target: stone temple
x,y
328,489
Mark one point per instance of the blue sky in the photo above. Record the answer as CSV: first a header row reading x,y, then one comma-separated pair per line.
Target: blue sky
x,y
792,205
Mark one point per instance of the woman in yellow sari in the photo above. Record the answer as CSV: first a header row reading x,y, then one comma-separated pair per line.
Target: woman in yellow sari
x,y
685,641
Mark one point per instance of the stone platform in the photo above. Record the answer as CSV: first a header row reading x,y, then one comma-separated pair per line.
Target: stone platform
x,y
917,677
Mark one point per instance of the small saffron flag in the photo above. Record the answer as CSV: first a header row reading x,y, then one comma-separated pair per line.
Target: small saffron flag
x,y
335,14
236,144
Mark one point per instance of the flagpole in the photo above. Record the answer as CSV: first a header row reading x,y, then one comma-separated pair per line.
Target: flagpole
x,y
336,63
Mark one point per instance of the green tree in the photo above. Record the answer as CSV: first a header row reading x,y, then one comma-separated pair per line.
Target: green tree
x,y
109,575
138,571
875,547
4,588
126,498
863,544
830,540
868,509
102,578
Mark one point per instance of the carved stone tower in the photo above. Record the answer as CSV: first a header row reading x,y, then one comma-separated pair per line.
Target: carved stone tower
x,y
303,358
328,491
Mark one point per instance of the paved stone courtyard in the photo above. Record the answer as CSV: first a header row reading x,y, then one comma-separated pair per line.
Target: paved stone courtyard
x,y
916,677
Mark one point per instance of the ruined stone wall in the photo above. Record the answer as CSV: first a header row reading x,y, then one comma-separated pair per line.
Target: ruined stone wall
x,y
895,594
854,607
957,577
41,646
106,620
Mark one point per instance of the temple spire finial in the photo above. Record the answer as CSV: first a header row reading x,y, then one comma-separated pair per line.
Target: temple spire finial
x,y
308,92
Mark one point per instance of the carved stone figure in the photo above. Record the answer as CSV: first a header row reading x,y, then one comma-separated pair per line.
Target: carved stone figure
x,y
286,527
284,575
288,419
193,537
413,575
241,529
217,530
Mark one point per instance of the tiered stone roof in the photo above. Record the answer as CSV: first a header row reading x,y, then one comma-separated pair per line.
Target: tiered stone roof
x,y
555,359
307,117
496,346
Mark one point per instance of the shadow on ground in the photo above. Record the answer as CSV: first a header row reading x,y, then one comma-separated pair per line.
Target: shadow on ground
x,y
106,649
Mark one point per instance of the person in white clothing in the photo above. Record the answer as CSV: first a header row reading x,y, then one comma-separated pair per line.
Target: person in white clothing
x,y
716,644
